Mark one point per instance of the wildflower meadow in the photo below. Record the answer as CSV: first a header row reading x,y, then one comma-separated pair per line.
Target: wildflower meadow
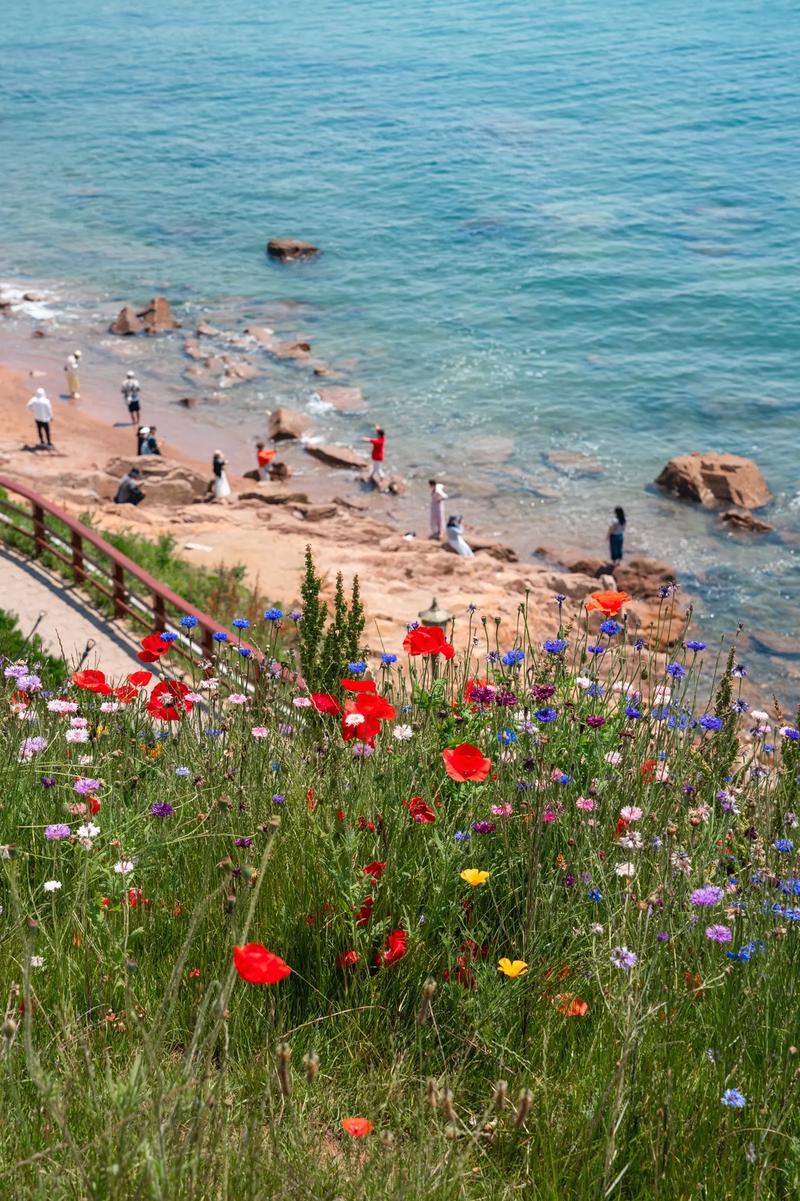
x,y
329,921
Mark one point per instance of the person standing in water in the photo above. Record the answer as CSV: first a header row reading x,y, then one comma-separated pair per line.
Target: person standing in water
x,y
456,540
438,497
130,394
376,475
616,536
221,486
71,369
42,412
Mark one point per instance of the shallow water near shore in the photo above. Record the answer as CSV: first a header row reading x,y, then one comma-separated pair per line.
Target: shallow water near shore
x,y
549,229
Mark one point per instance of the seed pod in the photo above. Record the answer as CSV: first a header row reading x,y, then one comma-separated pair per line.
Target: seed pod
x,y
230,903
500,1095
428,989
284,1077
524,1103
431,1093
447,1105
311,1065
387,1140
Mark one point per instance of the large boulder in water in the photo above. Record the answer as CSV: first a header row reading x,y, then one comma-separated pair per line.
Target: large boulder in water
x,y
338,456
713,479
157,317
285,424
289,249
126,322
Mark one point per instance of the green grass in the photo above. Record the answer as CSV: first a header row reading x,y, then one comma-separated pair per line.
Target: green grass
x,y
14,644
136,1064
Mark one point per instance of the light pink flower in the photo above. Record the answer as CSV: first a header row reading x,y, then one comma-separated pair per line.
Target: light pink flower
x,y
631,813
585,803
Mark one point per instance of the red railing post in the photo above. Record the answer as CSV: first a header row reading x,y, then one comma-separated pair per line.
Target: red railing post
x,y
208,643
119,590
78,569
39,530
159,612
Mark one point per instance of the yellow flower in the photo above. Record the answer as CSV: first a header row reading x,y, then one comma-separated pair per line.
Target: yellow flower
x,y
518,968
474,877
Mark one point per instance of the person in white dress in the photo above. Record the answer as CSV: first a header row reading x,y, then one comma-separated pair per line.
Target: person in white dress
x,y
71,369
221,486
456,540
42,413
438,497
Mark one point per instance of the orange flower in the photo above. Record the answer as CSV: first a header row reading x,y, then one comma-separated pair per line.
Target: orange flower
x,y
571,1005
608,603
357,1127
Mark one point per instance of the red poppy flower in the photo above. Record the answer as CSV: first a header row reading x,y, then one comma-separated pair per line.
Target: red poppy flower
x,y
347,959
571,1005
167,700
126,693
311,800
357,1127
396,947
153,647
94,805
608,603
92,681
140,679
359,685
466,762
363,731
374,870
372,705
323,702
622,825
365,912
648,771
257,965
420,811
428,640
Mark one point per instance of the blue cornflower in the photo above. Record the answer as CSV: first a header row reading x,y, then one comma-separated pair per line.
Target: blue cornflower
x,y
594,894
245,652
676,671
274,614
660,712
740,671
679,721
559,598
183,771
546,715
240,623
462,836
709,722
744,954
791,887
784,845
388,660
220,636
664,591
638,644
212,733
357,669
168,636
491,656
188,622
275,766
596,650
594,690
555,646
610,627
512,658
790,733
740,706
695,646
506,737
733,1099
296,614
278,798
632,712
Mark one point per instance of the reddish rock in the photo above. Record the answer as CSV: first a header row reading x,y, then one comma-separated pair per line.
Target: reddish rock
x,y
285,424
240,372
345,400
338,456
193,350
291,350
714,479
261,334
157,317
289,249
744,522
204,330
126,322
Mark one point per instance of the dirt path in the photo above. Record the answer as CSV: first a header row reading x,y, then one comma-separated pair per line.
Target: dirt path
x,y
62,619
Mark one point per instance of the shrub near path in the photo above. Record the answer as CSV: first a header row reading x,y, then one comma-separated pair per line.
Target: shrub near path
x,y
446,934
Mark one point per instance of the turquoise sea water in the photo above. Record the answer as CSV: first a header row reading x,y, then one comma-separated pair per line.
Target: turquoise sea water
x,y
545,226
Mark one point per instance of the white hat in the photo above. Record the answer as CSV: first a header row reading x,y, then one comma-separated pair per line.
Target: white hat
x,y
76,354
41,392
130,374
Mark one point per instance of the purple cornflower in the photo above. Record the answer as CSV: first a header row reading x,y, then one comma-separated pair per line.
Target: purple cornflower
x,y
57,831
676,670
555,646
543,692
32,746
482,694
505,698
662,936
48,781
162,809
484,827
29,683
296,614
719,933
462,836
279,798
709,894
84,785
243,842
739,671
622,958
595,721
16,671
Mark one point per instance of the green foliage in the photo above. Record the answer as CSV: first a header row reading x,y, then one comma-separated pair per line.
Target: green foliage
x,y
14,645
324,654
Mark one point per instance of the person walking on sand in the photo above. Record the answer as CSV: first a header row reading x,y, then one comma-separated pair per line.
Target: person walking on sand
x,y
71,369
438,497
264,456
221,486
130,394
42,411
378,442
456,540
149,442
616,536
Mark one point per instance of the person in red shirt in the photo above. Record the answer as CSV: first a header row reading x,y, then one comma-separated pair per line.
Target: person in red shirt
x,y
376,475
264,455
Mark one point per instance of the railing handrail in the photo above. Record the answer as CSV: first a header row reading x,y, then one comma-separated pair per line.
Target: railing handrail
x,y
154,586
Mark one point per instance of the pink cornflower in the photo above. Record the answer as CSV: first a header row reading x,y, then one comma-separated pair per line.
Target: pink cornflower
x,y
238,698
77,735
614,758
502,810
719,933
631,813
259,731
300,702
585,803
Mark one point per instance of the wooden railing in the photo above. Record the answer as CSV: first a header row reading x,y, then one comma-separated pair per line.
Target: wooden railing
x,y
95,563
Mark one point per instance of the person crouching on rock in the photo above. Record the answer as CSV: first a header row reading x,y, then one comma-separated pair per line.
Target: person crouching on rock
x,y
378,443
264,456
456,540
130,390
130,490
616,536
42,411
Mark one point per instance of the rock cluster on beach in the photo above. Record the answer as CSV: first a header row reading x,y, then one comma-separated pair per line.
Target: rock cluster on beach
x,y
156,318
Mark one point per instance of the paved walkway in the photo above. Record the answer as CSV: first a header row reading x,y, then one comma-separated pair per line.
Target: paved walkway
x,y
62,619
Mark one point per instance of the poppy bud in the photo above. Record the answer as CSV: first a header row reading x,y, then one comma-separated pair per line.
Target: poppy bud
x,y
9,1029
225,864
32,925
230,903
428,989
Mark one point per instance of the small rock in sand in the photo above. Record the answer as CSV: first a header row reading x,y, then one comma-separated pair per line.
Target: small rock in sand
x,y
289,249
572,463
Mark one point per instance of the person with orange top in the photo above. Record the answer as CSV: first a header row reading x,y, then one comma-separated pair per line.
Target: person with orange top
x,y
264,455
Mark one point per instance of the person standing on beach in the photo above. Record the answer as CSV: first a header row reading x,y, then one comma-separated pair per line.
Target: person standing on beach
x,y
130,394
71,369
42,411
438,497
378,442
616,536
221,486
148,444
